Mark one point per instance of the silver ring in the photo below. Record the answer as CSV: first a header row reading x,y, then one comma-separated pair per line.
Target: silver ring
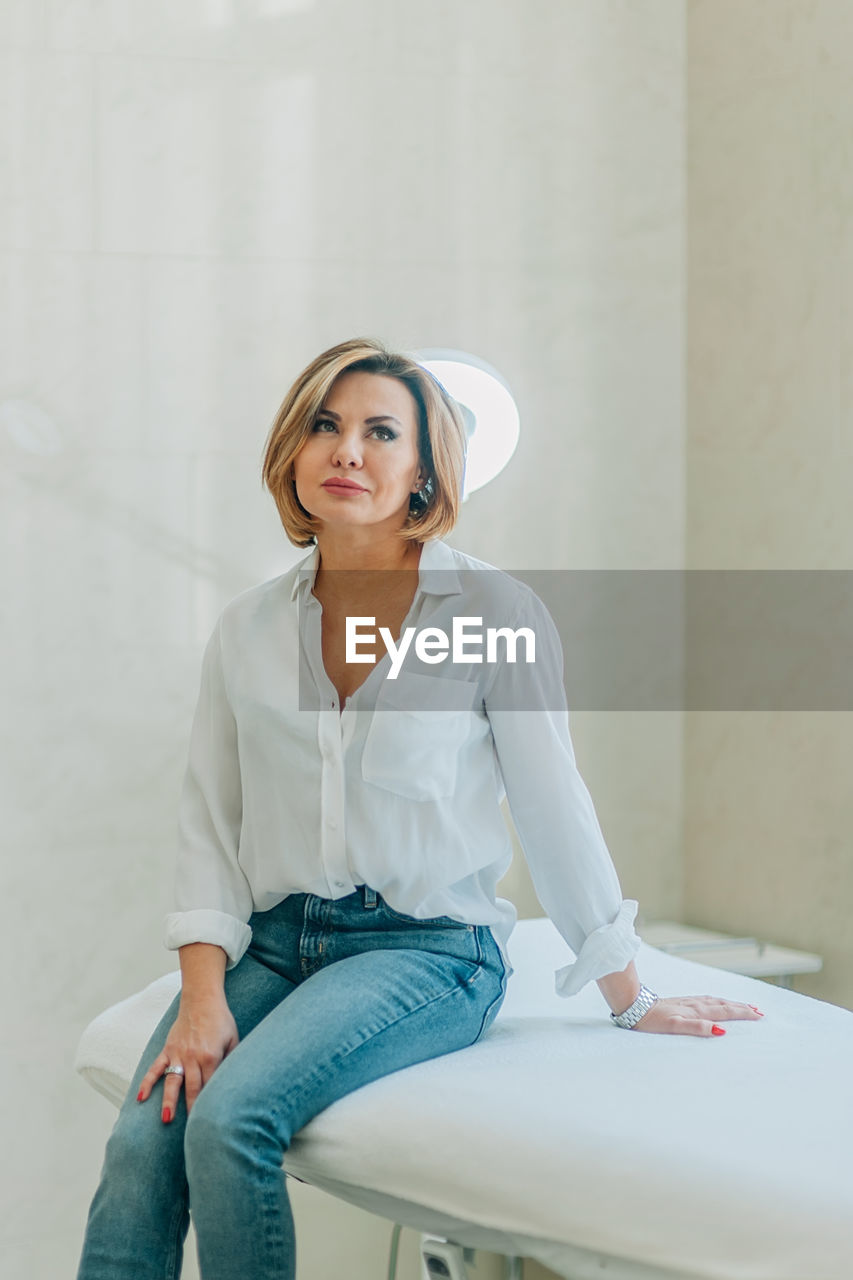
x,y
173,1071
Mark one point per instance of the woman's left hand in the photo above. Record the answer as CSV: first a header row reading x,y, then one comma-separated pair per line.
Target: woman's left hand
x,y
694,1015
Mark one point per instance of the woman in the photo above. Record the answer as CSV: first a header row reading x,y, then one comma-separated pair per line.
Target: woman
x,y
336,917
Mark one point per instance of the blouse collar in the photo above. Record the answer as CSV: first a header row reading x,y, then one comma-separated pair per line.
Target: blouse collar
x,y
437,574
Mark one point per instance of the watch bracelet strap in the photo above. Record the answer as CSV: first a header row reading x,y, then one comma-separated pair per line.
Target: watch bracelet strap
x,y
635,1012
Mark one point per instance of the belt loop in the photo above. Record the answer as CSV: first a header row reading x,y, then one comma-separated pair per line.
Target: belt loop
x,y
369,896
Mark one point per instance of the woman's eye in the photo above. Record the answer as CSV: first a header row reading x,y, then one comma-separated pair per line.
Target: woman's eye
x,y
324,424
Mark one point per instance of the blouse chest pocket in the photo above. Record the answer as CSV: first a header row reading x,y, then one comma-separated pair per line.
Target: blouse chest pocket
x,y
413,743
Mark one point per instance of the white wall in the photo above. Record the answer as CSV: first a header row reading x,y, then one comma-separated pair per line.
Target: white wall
x,y
768,800
198,198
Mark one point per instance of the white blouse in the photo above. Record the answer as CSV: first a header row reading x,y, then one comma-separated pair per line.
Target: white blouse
x,y
286,793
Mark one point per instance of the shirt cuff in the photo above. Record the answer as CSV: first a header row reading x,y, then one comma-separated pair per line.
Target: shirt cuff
x,y
609,949
204,925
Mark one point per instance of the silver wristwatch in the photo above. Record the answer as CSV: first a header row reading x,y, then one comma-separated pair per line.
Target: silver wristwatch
x,y
635,1011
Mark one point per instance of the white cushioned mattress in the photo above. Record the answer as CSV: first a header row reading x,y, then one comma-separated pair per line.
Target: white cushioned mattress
x,y
597,1151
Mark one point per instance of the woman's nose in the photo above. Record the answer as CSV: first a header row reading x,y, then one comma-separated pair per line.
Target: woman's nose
x,y
347,452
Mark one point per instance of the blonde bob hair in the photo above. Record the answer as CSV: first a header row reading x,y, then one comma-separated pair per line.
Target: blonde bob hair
x,y
434,510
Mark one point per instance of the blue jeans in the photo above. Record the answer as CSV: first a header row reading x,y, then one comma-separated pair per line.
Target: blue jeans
x,y
329,996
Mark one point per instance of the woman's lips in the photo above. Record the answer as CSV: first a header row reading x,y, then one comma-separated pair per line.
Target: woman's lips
x,y
339,486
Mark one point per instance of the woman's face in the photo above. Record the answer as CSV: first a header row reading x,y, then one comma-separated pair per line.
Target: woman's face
x,y
360,463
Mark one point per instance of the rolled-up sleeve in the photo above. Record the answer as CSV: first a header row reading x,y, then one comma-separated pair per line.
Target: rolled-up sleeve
x,y
213,899
570,865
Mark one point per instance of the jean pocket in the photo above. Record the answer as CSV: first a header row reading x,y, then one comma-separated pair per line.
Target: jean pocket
x,y
438,922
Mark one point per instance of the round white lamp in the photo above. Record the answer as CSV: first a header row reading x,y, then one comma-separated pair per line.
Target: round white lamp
x,y
489,410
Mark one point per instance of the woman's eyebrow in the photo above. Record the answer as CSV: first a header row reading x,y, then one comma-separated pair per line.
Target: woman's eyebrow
x,y
382,417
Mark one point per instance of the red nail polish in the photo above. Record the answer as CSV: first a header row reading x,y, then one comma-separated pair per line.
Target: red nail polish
x,y
717,1031
167,1115
139,1096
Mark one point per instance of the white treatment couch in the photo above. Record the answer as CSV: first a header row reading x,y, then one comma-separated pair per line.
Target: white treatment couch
x,y
597,1151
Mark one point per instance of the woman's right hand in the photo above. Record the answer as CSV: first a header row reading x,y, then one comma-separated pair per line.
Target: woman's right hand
x,y
201,1035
